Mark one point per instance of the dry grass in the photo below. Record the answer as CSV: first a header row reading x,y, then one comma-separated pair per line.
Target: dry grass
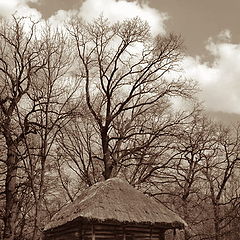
x,y
115,200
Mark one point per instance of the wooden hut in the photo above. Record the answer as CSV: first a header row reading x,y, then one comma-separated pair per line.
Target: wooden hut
x,y
112,210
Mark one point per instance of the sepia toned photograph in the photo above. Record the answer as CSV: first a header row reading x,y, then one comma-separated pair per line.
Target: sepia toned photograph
x,y
119,120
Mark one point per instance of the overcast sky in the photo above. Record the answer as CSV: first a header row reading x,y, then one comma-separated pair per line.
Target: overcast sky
x,y
210,29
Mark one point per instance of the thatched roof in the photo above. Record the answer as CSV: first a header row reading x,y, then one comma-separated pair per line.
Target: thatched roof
x,y
117,201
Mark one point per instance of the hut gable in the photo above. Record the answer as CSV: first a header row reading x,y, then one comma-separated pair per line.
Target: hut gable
x,y
116,201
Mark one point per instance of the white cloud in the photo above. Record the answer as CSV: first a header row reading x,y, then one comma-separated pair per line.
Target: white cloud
x,y
220,80
120,10
24,10
117,11
8,7
61,17
20,7
225,35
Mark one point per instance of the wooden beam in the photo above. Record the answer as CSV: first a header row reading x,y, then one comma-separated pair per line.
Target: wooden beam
x,y
124,234
93,232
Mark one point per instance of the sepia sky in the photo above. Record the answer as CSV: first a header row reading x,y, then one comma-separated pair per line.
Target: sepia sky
x,y
210,29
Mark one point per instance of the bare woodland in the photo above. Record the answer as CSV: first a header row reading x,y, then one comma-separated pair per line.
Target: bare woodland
x,y
96,100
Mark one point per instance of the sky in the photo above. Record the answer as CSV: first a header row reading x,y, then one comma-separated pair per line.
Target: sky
x,y
210,29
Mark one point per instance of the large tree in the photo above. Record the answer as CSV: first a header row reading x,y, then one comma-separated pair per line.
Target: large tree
x,y
53,103
19,65
37,99
128,85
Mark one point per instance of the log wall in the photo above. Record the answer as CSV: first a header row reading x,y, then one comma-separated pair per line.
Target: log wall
x,y
105,232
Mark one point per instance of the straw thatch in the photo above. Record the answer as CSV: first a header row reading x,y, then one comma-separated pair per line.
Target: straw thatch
x,y
117,201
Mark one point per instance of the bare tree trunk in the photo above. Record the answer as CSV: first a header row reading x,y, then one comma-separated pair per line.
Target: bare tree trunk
x,y
11,193
186,208
36,221
185,211
108,166
39,197
216,221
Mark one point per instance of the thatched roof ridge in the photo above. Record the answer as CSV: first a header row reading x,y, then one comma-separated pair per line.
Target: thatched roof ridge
x,y
116,200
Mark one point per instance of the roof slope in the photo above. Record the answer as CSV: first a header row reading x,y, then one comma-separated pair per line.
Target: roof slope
x,y
116,200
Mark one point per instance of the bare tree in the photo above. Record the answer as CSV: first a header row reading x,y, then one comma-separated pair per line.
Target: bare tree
x,y
38,97
220,169
196,139
19,65
126,73
53,103
78,148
